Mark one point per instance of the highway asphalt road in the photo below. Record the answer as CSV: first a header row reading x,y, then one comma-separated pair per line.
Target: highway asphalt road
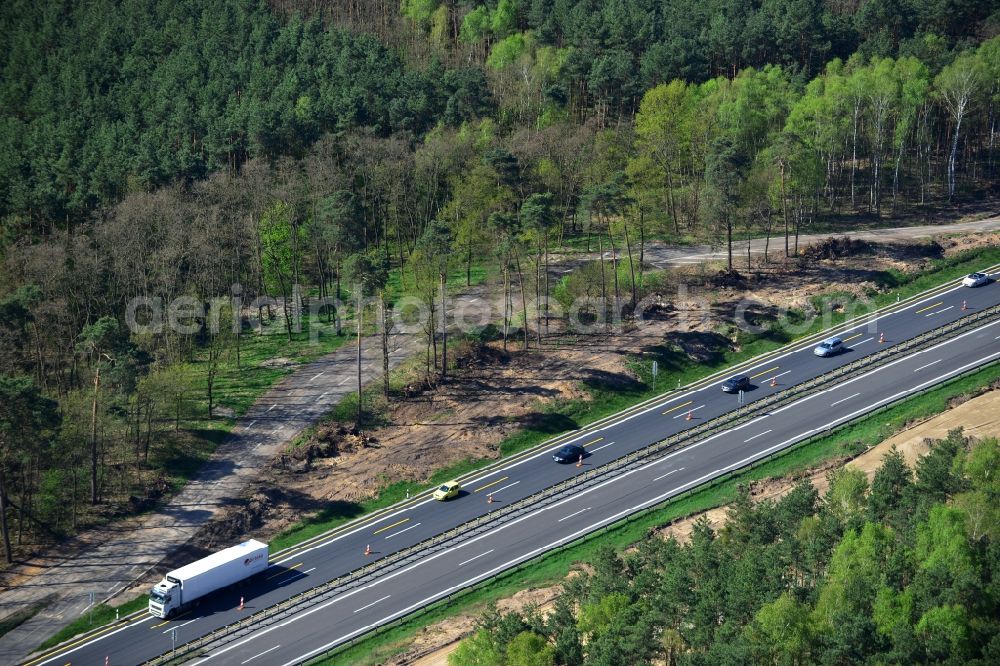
x,y
319,627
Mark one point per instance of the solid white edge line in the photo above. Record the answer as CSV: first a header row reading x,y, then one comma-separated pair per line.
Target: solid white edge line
x,y
656,500
657,405
887,365
357,529
62,655
563,540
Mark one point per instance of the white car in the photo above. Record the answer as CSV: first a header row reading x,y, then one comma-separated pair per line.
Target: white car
x,y
975,279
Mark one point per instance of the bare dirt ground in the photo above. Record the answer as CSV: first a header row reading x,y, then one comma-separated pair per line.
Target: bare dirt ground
x,y
493,394
980,417
426,648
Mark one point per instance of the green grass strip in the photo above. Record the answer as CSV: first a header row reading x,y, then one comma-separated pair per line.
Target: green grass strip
x,y
551,568
102,614
606,400
571,414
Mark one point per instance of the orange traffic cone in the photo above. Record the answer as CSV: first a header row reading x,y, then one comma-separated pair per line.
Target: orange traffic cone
x,y
774,381
964,306
579,463
241,604
881,337
368,550
688,417
489,498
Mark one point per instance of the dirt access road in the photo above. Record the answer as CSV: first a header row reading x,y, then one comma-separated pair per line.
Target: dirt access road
x,y
125,552
661,255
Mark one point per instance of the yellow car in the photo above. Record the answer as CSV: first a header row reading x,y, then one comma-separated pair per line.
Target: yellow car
x,y
447,491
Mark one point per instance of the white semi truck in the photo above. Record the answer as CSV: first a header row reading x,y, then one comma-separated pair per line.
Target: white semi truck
x,y
181,588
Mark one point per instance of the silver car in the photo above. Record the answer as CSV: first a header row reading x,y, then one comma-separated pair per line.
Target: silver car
x,y
829,347
975,279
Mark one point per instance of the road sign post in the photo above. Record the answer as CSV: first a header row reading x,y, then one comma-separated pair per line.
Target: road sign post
x,y
173,640
656,370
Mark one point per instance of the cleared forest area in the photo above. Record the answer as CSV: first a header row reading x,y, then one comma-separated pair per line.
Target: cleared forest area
x,y
155,151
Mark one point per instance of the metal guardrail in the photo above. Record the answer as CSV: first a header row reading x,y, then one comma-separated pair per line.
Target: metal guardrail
x,y
621,522
795,345
799,343
760,358
556,491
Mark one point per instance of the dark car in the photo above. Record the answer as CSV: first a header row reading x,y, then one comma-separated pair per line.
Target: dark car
x,y
568,453
736,384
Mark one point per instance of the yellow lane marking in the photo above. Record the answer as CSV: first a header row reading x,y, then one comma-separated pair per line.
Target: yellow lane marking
x,y
492,483
63,648
764,372
676,407
593,442
282,573
166,621
858,335
389,527
323,539
327,538
928,307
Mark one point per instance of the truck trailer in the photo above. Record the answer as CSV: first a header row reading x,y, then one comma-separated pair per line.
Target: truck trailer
x,y
182,588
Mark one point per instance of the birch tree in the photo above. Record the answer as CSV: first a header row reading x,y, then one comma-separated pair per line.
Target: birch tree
x,y
914,80
956,86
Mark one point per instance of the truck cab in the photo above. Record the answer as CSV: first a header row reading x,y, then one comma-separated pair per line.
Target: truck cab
x,y
164,599
183,588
